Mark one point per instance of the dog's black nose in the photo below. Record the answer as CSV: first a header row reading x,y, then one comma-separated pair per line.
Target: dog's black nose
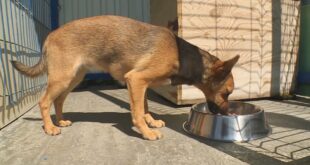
x,y
215,109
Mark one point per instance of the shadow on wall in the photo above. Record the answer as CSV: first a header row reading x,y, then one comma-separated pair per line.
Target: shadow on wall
x,y
276,47
25,25
285,37
264,33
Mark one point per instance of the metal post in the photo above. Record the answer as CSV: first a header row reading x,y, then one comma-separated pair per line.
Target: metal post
x,y
54,14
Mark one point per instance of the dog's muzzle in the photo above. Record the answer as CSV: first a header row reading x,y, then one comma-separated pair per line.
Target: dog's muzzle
x,y
215,109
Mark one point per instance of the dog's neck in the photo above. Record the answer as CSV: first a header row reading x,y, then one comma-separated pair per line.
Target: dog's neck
x,y
194,64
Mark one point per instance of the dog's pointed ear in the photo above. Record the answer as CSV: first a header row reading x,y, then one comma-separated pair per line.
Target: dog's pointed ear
x,y
222,69
229,64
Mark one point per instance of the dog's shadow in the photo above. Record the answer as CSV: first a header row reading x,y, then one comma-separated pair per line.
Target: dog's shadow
x,y
122,120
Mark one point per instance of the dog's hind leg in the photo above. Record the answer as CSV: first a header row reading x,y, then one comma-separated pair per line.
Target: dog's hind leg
x,y
58,104
51,93
137,86
59,101
58,85
149,119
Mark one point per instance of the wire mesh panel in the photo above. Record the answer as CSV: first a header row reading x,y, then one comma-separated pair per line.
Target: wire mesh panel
x,y
24,24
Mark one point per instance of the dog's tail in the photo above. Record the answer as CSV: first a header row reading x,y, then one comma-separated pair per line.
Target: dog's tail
x,y
32,71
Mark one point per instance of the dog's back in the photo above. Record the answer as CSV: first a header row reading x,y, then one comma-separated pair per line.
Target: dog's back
x,y
110,43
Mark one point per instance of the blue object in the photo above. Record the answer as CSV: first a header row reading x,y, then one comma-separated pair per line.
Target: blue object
x,y
98,76
54,14
304,77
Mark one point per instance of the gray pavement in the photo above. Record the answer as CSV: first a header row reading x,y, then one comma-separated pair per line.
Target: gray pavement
x,y
102,133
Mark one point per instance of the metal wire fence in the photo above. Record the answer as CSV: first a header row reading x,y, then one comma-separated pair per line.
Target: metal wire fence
x,y
24,24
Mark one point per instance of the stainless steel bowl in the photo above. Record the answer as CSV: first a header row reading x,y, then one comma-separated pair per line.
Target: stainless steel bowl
x,y
249,123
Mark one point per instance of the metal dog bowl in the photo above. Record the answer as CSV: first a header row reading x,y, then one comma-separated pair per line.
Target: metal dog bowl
x,y
249,123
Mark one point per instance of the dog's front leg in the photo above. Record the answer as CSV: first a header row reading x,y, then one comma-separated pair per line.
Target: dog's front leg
x,y
149,119
137,86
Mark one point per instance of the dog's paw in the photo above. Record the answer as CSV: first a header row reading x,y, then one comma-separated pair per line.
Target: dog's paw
x,y
64,123
53,130
156,123
152,135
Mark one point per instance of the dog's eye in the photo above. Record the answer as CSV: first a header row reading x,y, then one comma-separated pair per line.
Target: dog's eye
x,y
228,92
225,95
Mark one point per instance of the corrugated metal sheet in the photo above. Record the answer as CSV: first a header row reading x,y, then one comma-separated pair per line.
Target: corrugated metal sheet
x,y
24,26
75,9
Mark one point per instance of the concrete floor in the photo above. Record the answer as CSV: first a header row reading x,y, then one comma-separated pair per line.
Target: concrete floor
x,y
102,133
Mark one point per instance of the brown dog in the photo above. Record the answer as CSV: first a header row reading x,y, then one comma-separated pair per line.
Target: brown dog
x,y
140,54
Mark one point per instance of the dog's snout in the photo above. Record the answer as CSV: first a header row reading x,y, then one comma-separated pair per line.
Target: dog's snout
x,y
224,106
213,107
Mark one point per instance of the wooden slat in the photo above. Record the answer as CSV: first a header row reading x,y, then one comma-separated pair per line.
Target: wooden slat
x,y
289,44
171,93
230,27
